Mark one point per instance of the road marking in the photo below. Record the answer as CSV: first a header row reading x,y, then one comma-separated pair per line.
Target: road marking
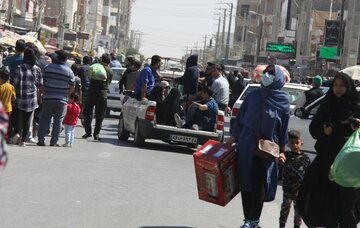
x,y
104,155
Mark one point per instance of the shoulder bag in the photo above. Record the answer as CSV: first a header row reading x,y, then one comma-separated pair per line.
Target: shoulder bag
x,y
265,149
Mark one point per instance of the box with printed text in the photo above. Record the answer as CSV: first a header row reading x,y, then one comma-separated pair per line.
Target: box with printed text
x,y
216,172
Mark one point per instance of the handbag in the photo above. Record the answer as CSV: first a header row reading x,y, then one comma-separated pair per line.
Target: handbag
x,y
265,149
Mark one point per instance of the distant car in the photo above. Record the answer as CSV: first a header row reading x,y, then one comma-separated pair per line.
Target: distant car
x,y
113,97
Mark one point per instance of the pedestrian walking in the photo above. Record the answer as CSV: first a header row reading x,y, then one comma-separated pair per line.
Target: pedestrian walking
x,y
59,82
97,97
15,60
293,173
7,95
27,81
269,106
71,119
321,202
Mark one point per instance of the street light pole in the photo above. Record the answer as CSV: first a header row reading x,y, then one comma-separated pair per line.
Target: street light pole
x,y
228,37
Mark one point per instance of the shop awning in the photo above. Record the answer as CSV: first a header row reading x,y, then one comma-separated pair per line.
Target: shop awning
x,y
49,29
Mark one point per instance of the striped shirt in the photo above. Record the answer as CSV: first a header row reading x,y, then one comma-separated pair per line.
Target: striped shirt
x,y
26,82
57,79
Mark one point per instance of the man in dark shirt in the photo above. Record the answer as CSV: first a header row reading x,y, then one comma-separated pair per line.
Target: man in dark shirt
x,y
309,96
97,96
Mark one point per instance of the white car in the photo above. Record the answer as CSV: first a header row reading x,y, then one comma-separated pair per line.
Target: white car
x,y
138,118
113,97
294,90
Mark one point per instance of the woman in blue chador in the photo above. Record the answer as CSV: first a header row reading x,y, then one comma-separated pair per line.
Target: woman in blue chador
x,y
265,112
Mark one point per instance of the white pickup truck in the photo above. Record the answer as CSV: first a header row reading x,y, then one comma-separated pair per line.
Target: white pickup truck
x,y
138,118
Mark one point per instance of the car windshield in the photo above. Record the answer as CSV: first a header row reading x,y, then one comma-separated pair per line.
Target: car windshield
x,y
294,93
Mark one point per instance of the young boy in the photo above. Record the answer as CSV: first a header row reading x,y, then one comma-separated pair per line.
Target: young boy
x,y
293,174
7,94
71,119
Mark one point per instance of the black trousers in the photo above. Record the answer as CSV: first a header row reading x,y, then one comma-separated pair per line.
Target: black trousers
x,y
100,103
21,124
253,201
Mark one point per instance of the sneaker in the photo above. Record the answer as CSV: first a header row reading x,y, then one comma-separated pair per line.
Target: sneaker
x,y
96,137
56,144
178,120
246,224
31,140
195,127
15,139
22,144
40,143
66,145
254,224
86,136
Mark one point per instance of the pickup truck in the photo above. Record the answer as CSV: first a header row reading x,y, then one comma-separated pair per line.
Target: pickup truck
x,y
138,118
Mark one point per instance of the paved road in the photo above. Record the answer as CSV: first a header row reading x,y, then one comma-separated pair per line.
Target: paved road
x,y
111,184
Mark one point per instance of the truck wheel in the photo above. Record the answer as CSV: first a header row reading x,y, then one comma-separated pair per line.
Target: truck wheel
x,y
123,134
138,138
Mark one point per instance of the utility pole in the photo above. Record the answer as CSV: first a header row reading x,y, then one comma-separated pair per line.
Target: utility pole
x,y
352,35
204,53
223,34
217,40
276,21
263,6
228,36
117,34
39,16
339,44
10,15
61,25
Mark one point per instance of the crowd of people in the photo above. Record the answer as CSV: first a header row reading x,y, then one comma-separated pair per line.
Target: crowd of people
x,y
42,94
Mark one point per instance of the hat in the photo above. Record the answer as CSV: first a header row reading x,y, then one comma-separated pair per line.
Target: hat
x,y
317,80
164,84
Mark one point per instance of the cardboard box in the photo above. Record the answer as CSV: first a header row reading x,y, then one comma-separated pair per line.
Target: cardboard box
x,y
216,172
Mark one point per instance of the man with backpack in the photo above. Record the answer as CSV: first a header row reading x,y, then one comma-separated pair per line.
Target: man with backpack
x,y
97,96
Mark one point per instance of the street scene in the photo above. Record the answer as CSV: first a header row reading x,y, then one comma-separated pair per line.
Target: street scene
x,y
180,114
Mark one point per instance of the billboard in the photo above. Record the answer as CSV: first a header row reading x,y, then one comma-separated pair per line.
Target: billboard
x,y
332,32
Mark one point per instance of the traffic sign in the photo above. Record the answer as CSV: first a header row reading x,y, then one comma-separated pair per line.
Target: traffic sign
x,y
283,48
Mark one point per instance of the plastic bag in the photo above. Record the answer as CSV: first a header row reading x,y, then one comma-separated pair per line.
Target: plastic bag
x,y
97,72
345,169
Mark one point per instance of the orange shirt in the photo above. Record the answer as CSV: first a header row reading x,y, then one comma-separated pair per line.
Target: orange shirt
x,y
7,94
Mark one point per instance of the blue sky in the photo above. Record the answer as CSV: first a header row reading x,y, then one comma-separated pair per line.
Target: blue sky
x,y
170,27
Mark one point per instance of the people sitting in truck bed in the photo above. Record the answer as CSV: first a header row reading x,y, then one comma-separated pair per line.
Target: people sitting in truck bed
x,y
145,82
201,115
167,103
128,78
190,78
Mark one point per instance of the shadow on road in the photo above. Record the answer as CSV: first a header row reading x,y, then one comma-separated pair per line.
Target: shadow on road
x,y
110,130
166,227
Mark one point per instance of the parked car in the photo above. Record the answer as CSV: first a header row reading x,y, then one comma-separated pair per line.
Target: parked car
x,y
113,99
138,118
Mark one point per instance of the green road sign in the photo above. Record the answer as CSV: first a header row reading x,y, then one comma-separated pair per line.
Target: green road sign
x,y
283,48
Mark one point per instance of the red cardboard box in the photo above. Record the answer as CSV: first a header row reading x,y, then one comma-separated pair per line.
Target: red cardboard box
x,y
216,172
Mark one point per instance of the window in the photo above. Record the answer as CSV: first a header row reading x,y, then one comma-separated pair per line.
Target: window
x,y
244,10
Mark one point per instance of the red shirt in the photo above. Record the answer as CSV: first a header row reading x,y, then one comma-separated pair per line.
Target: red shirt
x,y
72,114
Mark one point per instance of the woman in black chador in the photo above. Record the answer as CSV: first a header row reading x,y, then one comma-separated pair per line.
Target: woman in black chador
x,y
322,202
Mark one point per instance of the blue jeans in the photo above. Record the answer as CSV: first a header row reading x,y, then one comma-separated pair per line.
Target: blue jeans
x,y
69,134
57,110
